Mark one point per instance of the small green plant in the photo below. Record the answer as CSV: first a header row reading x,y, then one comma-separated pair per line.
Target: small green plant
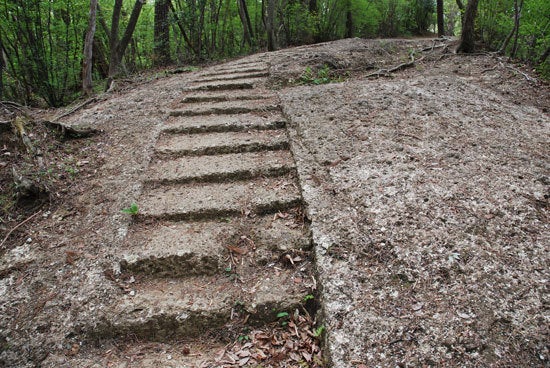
x,y
319,331
132,210
308,297
282,315
323,76
243,338
283,318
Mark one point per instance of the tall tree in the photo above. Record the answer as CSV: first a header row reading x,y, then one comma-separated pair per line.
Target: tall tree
x,y
349,20
88,50
118,46
247,24
440,19
1,68
161,55
270,25
467,38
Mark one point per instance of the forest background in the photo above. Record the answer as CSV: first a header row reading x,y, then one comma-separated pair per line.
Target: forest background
x,y
46,61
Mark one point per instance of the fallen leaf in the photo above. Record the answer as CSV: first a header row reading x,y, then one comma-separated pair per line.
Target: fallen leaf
x,y
306,356
243,361
294,356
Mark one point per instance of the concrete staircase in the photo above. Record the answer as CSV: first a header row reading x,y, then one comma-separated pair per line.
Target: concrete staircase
x,y
219,256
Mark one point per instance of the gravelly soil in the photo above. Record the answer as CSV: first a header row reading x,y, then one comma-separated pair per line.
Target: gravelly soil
x,y
428,193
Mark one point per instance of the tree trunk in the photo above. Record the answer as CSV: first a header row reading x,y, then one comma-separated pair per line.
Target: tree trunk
x,y
544,56
1,69
467,39
440,19
119,47
180,24
162,33
517,17
88,50
270,25
313,6
245,20
349,24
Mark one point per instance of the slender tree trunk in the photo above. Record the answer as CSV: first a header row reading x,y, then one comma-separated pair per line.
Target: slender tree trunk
x,y
467,39
119,47
245,20
349,24
88,50
270,25
517,17
312,6
162,33
1,69
440,19
544,56
180,24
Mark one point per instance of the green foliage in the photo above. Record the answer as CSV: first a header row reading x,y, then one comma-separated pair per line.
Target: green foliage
x,y
308,297
322,76
132,210
496,20
43,40
282,315
319,331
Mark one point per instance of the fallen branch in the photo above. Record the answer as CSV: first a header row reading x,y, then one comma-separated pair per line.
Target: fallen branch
x,y
18,226
434,46
75,109
527,77
387,72
490,69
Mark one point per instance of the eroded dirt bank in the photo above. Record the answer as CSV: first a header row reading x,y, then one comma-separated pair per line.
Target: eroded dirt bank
x,y
427,192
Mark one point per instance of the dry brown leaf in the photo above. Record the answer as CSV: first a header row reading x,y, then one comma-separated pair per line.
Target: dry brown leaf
x,y
306,356
294,356
243,361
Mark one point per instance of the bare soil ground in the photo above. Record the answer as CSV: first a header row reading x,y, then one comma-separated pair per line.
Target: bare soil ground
x,y
427,189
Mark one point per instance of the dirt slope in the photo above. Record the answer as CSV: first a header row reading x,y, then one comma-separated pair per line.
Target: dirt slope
x,y
427,190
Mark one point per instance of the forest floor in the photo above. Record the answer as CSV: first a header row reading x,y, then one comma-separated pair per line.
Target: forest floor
x,y
426,189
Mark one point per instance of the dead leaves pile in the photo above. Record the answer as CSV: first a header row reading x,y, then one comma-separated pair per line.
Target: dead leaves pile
x,y
289,344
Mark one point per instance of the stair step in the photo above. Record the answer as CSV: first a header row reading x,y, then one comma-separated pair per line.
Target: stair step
x,y
187,249
134,354
167,309
235,76
216,168
220,143
184,202
234,96
226,85
225,123
235,70
227,108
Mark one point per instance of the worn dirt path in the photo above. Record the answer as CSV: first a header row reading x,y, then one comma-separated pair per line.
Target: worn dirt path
x,y
399,221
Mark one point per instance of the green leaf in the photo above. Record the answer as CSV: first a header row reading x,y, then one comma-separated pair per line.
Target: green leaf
x,y
282,314
132,210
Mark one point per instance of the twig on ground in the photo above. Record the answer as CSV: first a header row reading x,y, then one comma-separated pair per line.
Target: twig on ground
x,y
18,226
527,77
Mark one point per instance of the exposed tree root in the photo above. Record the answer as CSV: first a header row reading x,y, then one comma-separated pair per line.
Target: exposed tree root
x,y
75,109
18,226
388,72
